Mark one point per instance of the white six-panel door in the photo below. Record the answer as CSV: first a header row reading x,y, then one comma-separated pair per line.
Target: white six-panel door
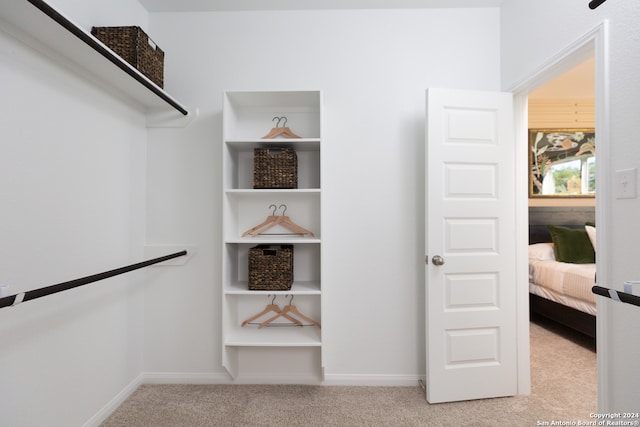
x,y
470,245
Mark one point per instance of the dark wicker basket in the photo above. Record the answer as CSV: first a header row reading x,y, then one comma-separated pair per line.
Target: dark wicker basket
x,y
275,168
135,47
271,268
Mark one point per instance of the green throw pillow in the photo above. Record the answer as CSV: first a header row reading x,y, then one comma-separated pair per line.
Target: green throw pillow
x,y
572,245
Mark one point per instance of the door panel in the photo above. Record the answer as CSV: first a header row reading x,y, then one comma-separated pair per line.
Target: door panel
x,y
471,291
467,180
470,219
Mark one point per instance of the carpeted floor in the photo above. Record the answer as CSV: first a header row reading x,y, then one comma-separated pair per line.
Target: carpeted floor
x,y
563,371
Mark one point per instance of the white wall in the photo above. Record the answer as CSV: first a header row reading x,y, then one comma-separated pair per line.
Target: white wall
x,y
72,162
89,13
533,33
373,68
73,166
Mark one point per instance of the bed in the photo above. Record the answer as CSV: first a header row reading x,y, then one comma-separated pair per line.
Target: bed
x,y
560,289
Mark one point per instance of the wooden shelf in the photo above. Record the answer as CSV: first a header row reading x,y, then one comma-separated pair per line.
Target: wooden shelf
x,y
263,239
298,288
294,336
301,144
42,27
250,191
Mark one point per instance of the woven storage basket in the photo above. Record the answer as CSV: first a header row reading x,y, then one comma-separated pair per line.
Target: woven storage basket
x,y
271,268
275,168
135,47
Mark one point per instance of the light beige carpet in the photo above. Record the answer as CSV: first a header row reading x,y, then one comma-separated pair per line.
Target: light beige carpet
x,y
563,375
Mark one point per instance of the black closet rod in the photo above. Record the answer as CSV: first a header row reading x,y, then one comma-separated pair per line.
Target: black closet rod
x,y
48,290
622,296
595,3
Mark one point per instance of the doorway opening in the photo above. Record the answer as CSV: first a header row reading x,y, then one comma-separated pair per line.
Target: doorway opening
x,y
563,108
589,57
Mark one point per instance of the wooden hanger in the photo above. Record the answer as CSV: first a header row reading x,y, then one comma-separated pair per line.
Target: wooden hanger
x,y
272,308
285,313
270,220
280,131
274,220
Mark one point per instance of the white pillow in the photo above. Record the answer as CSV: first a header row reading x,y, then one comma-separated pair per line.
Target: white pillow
x,y
591,232
541,251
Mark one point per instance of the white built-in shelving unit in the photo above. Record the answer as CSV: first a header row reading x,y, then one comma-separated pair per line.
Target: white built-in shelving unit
x,y
247,118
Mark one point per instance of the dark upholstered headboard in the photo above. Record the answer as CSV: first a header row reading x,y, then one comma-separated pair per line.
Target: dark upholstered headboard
x,y
572,217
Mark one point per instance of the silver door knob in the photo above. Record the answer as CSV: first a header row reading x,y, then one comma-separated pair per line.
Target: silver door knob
x,y
437,260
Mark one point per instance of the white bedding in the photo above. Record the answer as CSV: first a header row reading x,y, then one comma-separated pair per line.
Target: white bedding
x,y
564,283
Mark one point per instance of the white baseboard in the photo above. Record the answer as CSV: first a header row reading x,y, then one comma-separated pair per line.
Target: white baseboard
x,y
372,380
223,378
114,403
329,379
186,378
278,379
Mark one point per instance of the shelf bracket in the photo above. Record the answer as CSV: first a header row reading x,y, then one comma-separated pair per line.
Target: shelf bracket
x,y
163,118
